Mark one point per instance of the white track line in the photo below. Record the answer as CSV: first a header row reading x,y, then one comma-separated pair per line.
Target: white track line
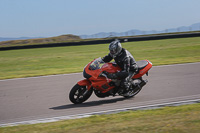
x,y
54,119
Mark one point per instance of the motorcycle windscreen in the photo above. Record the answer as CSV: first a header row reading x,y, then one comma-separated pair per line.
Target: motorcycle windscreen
x,y
96,64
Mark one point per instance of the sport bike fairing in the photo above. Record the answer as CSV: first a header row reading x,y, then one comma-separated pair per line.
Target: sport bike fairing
x,y
95,68
96,80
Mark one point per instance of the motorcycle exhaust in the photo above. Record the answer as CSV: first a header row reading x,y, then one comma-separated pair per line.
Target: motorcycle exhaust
x,y
143,83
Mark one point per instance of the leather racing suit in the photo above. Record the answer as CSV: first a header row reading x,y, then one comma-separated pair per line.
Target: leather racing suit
x,y
128,65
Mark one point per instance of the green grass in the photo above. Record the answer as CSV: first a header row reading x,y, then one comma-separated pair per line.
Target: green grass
x,y
60,60
181,119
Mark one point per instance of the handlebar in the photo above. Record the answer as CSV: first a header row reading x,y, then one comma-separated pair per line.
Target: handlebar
x,y
104,75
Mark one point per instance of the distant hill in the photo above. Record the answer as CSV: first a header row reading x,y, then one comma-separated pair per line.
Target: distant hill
x,y
134,32
194,27
20,38
62,38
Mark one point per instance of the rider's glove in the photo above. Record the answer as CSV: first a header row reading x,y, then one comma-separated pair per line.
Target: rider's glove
x,y
106,73
112,76
101,60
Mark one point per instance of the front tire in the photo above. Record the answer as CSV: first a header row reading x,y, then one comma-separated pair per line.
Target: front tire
x,y
79,94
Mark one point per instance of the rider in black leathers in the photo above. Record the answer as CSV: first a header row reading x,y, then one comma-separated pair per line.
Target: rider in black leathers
x,y
126,62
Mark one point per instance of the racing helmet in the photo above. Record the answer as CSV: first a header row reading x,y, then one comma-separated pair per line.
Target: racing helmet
x,y
115,48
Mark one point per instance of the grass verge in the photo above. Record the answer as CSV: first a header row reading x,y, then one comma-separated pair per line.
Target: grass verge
x,y
60,60
181,119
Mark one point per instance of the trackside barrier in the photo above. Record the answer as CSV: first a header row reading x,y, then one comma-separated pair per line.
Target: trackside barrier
x,y
106,40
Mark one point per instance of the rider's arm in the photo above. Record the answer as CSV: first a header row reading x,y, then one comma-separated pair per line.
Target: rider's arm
x,y
107,58
130,65
122,74
126,65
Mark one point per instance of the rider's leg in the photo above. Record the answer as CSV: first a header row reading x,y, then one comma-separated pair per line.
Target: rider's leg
x,y
125,83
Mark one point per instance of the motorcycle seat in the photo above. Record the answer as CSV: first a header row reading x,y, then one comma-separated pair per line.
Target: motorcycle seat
x,y
142,64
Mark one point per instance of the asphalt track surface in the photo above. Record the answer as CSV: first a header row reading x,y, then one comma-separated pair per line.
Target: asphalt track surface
x,y
43,97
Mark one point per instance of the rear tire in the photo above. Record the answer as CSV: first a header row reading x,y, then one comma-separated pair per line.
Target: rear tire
x,y
79,94
134,91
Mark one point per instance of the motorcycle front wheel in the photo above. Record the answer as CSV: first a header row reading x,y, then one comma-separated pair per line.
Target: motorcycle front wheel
x,y
79,94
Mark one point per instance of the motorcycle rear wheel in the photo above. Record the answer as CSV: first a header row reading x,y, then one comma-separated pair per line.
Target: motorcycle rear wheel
x,y
79,94
134,90
133,93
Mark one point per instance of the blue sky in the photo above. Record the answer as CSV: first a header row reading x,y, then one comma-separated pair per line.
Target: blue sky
x,y
46,18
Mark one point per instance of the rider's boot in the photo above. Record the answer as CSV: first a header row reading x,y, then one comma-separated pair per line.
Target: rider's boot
x,y
125,85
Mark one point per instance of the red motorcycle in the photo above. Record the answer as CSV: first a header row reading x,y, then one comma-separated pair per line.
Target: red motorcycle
x,y
96,80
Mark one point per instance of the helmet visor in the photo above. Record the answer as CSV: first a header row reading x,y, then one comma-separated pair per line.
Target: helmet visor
x,y
113,51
